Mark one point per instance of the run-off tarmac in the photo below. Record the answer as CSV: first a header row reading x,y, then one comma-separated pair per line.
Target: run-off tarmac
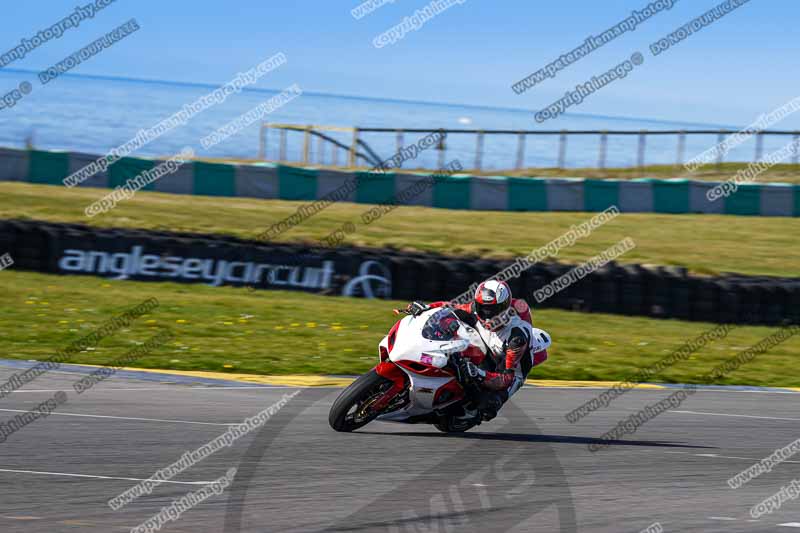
x,y
529,470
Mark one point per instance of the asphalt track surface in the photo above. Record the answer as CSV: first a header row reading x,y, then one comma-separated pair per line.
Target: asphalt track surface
x,y
529,470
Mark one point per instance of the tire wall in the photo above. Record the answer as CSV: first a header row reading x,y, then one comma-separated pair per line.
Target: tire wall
x,y
634,290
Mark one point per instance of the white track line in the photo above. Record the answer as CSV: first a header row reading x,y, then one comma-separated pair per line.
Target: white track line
x,y
64,474
130,418
717,456
739,416
734,457
592,388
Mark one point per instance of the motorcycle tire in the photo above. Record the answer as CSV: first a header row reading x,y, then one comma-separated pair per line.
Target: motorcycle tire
x,y
356,393
449,424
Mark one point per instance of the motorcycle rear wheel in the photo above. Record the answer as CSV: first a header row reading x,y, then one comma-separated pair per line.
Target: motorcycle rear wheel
x,y
347,412
449,424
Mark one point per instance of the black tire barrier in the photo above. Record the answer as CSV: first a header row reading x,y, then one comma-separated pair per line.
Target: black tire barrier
x,y
704,297
404,278
727,306
679,297
434,277
633,290
606,291
456,279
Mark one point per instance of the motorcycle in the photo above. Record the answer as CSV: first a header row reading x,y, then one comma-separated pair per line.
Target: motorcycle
x,y
420,376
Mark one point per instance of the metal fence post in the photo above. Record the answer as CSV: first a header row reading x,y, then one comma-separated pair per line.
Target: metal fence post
x,y
562,149
681,147
796,146
478,151
306,144
759,146
642,147
262,142
720,155
353,147
520,151
601,161
400,146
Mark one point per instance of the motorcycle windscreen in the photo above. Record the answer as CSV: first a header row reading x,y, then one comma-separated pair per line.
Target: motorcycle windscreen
x,y
441,326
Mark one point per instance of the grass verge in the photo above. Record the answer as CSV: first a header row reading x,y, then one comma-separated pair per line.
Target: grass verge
x,y
234,330
705,244
783,173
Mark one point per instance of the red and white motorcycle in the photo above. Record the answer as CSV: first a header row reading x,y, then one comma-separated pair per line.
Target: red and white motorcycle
x,y
420,377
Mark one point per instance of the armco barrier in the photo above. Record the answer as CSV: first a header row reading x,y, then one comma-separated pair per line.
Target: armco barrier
x,y
492,193
635,290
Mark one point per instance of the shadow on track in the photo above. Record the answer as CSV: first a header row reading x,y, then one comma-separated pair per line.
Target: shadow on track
x,y
520,437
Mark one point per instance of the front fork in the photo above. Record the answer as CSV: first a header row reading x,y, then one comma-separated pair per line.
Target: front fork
x,y
399,381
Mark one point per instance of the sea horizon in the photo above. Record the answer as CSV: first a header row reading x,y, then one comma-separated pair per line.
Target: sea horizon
x,y
96,113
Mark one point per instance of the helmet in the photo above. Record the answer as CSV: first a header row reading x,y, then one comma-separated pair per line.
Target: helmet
x,y
492,298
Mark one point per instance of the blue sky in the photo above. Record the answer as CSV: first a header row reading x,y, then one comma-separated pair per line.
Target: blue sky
x,y
731,71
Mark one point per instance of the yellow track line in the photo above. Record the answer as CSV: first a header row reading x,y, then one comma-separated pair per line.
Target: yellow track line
x,y
303,380
289,380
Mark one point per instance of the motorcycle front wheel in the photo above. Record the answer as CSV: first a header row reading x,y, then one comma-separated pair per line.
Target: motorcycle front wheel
x,y
351,410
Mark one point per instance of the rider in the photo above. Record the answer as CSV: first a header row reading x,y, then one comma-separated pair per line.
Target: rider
x,y
504,324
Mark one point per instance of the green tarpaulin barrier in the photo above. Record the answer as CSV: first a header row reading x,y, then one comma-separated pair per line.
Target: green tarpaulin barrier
x,y
527,194
297,183
48,167
375,188
451,192
213,179
671,196
128,168
745,201
599,195
797,200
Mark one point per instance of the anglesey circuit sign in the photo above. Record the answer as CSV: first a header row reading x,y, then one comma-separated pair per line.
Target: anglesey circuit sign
x,y
365,282
136,264
228,265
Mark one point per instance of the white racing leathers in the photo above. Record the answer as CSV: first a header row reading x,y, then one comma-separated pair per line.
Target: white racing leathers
x,y
512,347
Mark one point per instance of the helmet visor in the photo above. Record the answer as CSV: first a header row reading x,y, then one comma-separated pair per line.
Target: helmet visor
x,y
487,311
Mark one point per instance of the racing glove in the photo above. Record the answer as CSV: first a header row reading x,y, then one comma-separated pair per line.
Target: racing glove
x,y
416,308
477,374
